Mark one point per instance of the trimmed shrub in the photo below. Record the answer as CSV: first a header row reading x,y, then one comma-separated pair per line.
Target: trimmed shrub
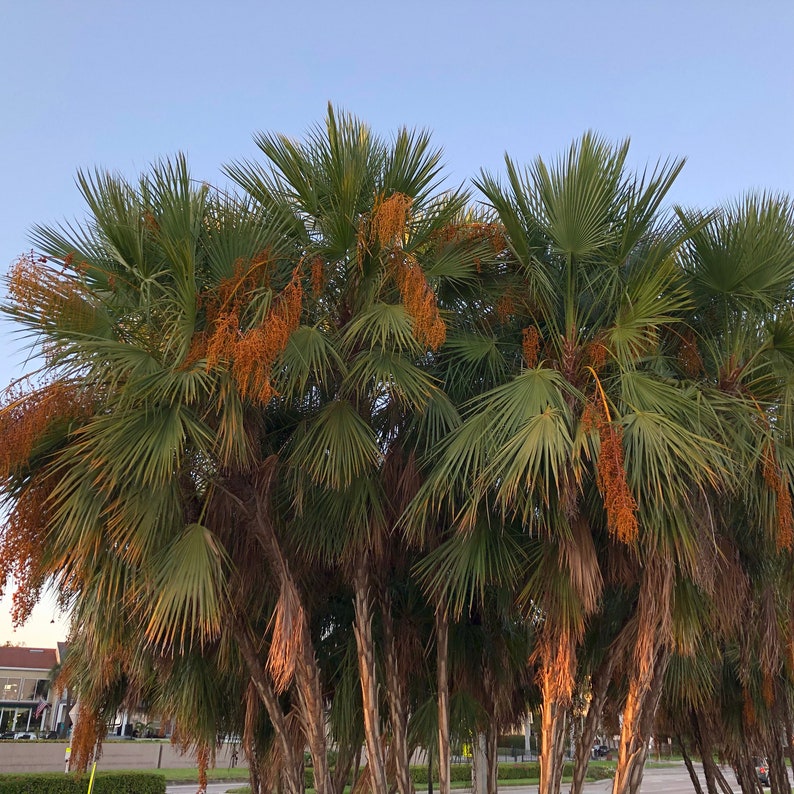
x,y
104,783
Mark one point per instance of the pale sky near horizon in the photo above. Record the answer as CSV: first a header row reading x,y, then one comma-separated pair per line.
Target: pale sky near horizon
x,y
98,83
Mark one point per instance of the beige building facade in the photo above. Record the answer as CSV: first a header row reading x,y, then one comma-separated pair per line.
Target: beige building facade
x,y
28,703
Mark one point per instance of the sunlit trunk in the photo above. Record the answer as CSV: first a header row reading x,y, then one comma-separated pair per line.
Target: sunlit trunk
x,y
557,661
651,656
369,682
398,716
442,678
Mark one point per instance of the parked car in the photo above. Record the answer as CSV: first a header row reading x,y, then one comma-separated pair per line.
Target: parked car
x,y
24,735
762,771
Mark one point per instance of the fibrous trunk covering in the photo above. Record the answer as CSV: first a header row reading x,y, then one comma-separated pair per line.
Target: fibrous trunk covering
x,y
369,682
397,707
651,656
292,649
256,671
557,657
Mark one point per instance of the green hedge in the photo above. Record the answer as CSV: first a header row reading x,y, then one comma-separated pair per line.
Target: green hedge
x,y
104,783
596,770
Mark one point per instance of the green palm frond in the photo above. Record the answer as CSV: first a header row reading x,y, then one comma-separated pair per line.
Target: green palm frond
x,y
189,590
337,448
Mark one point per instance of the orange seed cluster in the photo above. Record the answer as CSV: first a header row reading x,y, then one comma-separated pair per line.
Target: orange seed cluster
x,y
420,302
251,352
318,275
531,345
505,307
619,502
389,219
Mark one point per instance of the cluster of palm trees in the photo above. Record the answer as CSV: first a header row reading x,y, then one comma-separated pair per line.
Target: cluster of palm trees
x,y
342,458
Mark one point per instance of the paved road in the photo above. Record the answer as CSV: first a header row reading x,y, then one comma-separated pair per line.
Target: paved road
x,y
664,780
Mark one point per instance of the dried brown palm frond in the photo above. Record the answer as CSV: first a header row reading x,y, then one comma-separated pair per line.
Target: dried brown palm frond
x,y
286,643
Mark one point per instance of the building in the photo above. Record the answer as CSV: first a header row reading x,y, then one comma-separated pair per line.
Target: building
x,y
28,703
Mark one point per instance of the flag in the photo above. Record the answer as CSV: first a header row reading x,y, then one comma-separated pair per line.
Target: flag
x,y
43,705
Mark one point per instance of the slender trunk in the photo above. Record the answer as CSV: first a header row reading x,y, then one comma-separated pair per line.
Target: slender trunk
x,y
722,781
702,733
479,765
429,772
778,775
552,743
651,656
395,691
784,705
264,690
703,742
369,682
292,649
491,757
599,686
690,767
307,675
356,767
442,679
344,763
644,693
557,662
745,774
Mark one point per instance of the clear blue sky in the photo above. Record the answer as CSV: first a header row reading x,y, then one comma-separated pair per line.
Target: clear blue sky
x,y
118,84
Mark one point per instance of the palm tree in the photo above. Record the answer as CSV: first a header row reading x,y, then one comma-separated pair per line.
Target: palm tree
x,y
149,425
587,411
365,215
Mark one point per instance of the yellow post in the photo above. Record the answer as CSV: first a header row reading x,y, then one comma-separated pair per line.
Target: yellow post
x,y
91,781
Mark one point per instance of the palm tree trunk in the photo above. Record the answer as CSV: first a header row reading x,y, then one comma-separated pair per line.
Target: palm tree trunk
x,y
395,691
307,674
645,690
491,756
651,655
442,678
345,759
552,743
778,777
690,767
599,684
256,671
369,681
784,705
296,653
713,775
745,774
557,657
